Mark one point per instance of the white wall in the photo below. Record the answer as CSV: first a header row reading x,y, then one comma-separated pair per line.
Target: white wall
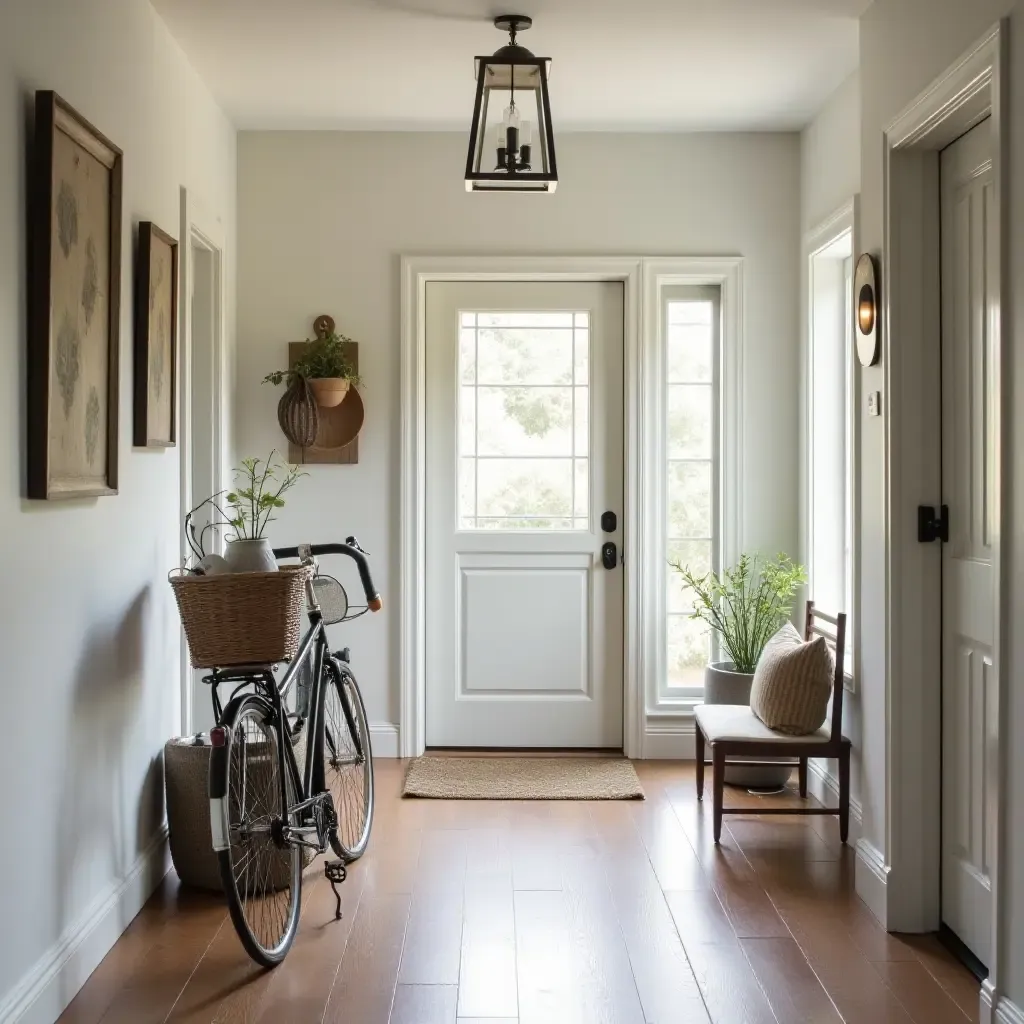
x,y
905,44
88,629
830,155
324,218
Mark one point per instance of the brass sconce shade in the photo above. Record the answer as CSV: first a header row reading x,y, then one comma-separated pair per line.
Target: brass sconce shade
x,y
865,297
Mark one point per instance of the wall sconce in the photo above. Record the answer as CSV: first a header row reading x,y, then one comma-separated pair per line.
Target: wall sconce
x,y
866,309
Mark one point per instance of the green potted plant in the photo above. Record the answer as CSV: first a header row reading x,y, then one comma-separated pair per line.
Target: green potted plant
x,y
745,606
325,366
260,486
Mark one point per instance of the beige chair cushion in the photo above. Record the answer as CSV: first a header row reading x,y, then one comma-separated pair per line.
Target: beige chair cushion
x,y
793,683
736,723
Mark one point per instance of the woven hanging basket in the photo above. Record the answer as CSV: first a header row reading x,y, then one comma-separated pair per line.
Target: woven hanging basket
x,y
299,414
242,618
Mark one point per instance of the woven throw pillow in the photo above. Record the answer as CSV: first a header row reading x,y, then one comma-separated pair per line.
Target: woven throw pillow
x,y
793,683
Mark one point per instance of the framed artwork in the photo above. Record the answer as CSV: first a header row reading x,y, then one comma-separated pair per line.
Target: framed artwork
x,y
74,306
156,332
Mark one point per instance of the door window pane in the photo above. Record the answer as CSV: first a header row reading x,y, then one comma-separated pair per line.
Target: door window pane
x,y
523,420
690,394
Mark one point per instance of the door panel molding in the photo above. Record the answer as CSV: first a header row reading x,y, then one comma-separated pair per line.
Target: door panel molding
x,y
973,88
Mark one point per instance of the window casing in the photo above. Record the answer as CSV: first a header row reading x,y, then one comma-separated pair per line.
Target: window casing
x,y
831,406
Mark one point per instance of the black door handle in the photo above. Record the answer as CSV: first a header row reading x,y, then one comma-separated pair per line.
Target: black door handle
x,y
609,555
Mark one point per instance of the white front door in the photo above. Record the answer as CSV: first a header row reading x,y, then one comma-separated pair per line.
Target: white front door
x,y
524,427
969,730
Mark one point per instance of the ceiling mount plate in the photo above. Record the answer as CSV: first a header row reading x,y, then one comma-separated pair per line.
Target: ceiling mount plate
x,y
512,22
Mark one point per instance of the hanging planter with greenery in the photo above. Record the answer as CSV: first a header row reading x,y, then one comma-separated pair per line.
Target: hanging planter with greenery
x,y
325,366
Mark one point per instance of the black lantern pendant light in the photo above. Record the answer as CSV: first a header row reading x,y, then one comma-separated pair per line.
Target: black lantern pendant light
x,y
511,143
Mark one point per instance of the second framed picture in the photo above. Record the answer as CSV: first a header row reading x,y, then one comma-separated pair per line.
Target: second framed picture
x,y
156,338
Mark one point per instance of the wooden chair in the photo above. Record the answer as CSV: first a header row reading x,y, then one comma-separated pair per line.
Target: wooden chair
x,y
733,730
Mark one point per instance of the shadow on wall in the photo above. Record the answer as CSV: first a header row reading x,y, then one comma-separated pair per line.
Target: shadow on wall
x,y
97,751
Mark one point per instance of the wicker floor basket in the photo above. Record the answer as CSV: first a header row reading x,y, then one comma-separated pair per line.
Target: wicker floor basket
x,y
245,618
186,773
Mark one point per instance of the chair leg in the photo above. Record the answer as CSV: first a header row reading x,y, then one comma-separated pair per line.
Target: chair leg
x,y
803,776
718,767
844,794
699,752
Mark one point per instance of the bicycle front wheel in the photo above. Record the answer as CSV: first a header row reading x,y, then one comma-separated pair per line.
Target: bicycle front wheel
x,y
348,761
261,873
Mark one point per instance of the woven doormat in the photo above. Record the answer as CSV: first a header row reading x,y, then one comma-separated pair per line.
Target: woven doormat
x,y
523,778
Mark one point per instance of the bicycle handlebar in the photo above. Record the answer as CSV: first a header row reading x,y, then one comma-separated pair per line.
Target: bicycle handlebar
x,y
373,600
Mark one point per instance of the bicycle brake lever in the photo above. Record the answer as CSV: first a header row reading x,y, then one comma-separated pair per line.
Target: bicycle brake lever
x,y
353,543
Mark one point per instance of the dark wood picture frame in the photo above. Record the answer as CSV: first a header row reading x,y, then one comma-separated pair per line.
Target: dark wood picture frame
x,y
74,272
149,399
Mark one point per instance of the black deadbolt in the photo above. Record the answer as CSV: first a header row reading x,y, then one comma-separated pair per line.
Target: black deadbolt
x,y
609,522
609,555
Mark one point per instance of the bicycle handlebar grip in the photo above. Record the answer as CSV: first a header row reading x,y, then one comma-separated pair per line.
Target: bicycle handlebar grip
x,y
373,600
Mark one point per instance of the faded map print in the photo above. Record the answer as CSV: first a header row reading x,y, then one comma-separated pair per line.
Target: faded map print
x,y
161,343
80,258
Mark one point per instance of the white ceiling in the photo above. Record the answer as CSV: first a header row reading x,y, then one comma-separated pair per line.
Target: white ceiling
x,y
616,64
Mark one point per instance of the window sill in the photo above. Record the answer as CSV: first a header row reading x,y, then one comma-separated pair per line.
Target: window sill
x,y
681,707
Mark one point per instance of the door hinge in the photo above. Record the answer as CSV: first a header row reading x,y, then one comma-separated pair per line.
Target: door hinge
x,y
932,527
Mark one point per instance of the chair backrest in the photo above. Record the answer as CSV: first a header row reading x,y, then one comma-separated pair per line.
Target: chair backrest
x,y
833,629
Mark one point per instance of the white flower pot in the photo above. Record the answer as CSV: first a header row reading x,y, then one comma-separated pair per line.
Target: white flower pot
x,y
724,685
250,556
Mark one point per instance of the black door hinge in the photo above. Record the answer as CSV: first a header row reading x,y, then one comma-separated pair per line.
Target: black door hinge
x,y
931,527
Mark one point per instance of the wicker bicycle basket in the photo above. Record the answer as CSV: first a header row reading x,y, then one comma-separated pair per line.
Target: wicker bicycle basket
x,y
245,618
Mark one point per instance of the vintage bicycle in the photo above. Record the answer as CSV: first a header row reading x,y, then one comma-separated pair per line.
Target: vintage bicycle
x,y
268,814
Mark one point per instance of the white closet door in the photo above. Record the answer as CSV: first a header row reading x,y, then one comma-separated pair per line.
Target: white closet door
x,y
969,730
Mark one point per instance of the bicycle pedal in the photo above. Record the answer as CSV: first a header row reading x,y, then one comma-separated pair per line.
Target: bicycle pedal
x,y
335,873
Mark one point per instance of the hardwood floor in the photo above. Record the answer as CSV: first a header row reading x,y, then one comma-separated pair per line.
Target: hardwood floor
x,y
550,913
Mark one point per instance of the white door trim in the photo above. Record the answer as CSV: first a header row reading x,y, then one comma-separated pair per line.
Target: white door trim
x,y
972,89
674,717
635,273
416,273
201,227
845,219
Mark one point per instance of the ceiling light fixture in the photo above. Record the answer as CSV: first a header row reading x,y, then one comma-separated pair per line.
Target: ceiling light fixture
x,y
513,109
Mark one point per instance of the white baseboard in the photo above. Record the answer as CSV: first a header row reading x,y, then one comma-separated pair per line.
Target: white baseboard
x,y
43,993
824,786
384,737
999,1009
872,878
671,740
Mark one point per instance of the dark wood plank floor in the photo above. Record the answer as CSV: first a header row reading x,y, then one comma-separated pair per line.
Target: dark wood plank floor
x,y
551,913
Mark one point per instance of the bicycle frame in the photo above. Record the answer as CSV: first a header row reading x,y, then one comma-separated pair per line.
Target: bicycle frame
x,y
310,784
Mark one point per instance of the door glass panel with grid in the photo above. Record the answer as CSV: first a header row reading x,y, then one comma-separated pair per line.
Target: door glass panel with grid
x,y
524,624
690,330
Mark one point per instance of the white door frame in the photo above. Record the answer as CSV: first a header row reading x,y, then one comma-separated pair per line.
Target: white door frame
x,y
641,278
417,272
200,227
975,87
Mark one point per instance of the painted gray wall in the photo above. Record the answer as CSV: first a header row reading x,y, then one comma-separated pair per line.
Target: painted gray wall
x,y
324,218
89,632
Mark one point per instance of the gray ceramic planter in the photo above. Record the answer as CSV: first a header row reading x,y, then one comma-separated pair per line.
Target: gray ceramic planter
x,y
723,685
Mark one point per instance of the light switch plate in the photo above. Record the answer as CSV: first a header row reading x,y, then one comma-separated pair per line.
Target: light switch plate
x,y
874,403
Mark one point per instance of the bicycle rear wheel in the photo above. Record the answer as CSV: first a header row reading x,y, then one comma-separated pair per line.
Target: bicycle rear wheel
x,y
262,875
348,761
